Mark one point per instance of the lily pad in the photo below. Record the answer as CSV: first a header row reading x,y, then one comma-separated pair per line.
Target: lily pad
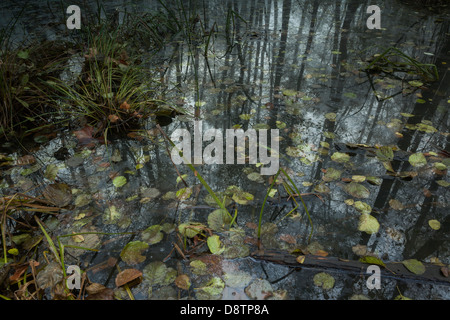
x,y
259,289
368,224
191,229
213,287
131,253
215,245
219,220
198,267
237,279
415,266
183,282
324,280
157,273
242,197
152,234
236,251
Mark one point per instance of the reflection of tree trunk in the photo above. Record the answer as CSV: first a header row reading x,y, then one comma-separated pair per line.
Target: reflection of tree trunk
x,y
338,82
410,142
309,42
280,61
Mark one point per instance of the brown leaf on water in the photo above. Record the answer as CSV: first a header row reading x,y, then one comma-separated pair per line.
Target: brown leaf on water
x,y
86,138
95,288
127,276
106,294
183,282
288,238
26,159
321,253
20,270
58,193
444,271
427,193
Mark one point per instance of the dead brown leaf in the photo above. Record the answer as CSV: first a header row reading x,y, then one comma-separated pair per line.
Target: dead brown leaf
x,y
183,282
127,276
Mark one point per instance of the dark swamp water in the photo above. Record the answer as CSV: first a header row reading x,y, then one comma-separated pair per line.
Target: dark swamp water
x,y
287,65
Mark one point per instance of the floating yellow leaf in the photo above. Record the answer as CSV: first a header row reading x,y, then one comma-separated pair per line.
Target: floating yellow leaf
x,y
368,224
417,160
434,224
414,266
300,259
395,204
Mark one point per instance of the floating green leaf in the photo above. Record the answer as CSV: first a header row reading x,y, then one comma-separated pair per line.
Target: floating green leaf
x,y
152,234
331,175
350,95
340,157
184,193
372,260
385,154
374,180
330,116
111,215
191,229
395,204
51,171
324,280
415,83
215,245
357,190
434,224
214,287
368,224
259,289
242,197
219,220
198,267
362,207
157,273
131,253
82,200
255,176
414,266
119,181
443,183
417,160
289,93
23,54
236,251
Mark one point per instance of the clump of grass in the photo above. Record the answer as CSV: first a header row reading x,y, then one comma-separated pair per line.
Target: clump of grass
x,y
290,189
113,91
24,101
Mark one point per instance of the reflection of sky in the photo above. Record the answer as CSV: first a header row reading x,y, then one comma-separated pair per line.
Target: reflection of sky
x,y
330,82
